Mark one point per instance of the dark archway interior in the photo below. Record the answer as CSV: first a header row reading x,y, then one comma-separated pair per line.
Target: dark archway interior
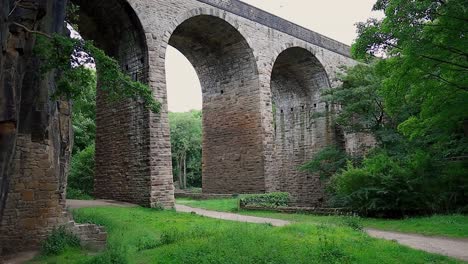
x,y
226,67
122,152
300,131
115,28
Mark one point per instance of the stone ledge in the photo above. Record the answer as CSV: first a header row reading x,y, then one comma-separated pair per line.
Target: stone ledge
x,y
92,237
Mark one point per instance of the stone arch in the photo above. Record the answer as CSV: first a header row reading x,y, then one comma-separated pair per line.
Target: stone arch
x,y
227,69
302,122
204,11
122,154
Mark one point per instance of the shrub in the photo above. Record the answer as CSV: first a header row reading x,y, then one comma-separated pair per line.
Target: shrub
x,y
58,241
269,200
395,186
81,178
77,194
381,185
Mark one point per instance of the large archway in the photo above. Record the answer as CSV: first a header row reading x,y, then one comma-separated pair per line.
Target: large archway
x,y
232,133
301,122
122,143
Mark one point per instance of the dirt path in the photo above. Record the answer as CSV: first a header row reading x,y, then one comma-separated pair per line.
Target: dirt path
x,y
231,216
73,204
20,258
456,248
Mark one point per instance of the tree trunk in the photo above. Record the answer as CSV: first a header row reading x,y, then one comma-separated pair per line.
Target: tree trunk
x,y
185,170
181,186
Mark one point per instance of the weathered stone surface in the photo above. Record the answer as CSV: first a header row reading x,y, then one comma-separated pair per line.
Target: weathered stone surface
x,y
34,131
92,237
302,123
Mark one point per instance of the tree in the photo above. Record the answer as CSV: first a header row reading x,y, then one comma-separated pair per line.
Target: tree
x,y
427,83
361,105
186,144
420,89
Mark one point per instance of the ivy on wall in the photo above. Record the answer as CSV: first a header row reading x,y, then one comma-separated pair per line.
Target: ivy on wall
x,y
56,53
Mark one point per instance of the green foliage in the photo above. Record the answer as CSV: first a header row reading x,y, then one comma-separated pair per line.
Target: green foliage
x,y
186,146
327,162
381,185
73,15
425,77
268,200
362,106
81,177
58,241
56,52
77,194
385,185
84,116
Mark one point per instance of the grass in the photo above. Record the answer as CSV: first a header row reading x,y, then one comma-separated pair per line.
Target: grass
x,y
438,225
140,235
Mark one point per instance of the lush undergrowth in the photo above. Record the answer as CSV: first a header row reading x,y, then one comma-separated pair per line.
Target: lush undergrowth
x,y
438,225
138,235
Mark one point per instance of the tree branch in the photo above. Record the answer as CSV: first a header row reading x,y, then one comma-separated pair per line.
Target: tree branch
x,y
18,4
14,8
448,82
32,31
444,61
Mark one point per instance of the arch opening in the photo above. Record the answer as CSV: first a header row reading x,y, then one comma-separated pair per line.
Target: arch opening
x,y
301,122
122,156
232,136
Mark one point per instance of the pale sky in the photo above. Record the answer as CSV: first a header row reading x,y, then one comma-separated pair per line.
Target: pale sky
x,y
332,18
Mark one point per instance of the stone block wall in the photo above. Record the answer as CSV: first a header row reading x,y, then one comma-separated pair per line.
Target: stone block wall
x,y
92,237
302,123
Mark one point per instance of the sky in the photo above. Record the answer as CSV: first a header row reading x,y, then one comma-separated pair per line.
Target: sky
x,y
335,19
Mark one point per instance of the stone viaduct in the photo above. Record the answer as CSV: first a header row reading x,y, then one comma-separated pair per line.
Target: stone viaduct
x,y
261,79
